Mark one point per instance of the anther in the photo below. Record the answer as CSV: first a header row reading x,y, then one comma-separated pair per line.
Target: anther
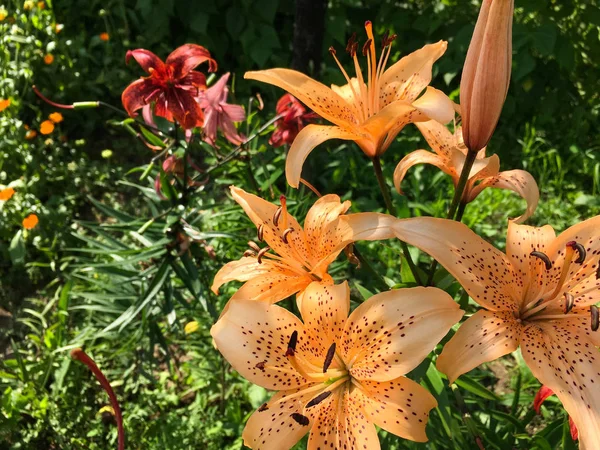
x,y
329,357
332,50
261,253
253,246
318,399
367,47
260,232
353,49
351,43
277,216
598,272
249,253
384,38
595,317
569,303
263,407
543,257
291,350
580,249
302,420
285,233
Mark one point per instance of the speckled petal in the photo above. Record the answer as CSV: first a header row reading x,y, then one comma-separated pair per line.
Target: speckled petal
x,y
438,136
274,428
400,406
518,181
422,157
313,94
310,137
484,337
261,212
253,337
391,333
325,211
344,424
570,366
271,287
484,271
245,269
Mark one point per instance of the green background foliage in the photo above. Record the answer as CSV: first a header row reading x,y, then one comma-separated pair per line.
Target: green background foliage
x,y
103,270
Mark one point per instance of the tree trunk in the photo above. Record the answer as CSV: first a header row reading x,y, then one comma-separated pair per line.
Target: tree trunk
x,y
309,28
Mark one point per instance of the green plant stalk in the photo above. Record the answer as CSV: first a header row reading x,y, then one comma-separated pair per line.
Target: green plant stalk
x,y
388,204
457,202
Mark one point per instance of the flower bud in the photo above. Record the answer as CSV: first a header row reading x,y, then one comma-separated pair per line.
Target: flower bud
x,y
486,74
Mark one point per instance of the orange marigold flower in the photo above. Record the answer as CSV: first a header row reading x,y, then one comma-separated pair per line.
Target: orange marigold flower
x,y
104,36
30,134
49,59
6,194
46,127
58,28
41,5
56,117
30,221
4,103
3,14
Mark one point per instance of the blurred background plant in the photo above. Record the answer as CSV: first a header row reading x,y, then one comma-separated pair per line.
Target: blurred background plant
x,y
125,248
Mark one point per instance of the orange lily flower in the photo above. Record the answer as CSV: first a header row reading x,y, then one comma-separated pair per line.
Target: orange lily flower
x,y
371,111
302,254
337,376
450,155
539,296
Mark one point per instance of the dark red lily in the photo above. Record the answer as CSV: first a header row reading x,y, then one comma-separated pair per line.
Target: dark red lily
x,y
288,127
542,395
172,85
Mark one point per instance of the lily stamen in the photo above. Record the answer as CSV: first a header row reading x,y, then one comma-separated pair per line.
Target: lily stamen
x,y
569,303
329,357
595,317
262,253
285,233
543,257
260,232
357,98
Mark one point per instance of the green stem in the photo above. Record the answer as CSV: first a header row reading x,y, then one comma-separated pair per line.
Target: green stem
x,y
387,198
457,201
364,263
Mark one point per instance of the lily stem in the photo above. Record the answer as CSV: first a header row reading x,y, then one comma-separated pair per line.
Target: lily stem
x,y
390,208
458,202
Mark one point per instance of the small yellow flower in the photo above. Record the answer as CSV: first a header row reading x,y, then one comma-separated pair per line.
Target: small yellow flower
x,y
108,409
6,194
4,103
28,5
191,327
30,221
104,36
49,59
46,127
56,117
3,14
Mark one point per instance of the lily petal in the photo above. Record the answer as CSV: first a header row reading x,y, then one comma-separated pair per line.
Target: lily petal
x,y
271,287
137,95
324,311
344,424
518,181
400,406
184,108
407,78
253,337
245,269
274,428
391,333
484,271
310,136
435,105
484,337
194,80
318,97
422,157
439,138
324,211
187,57
568,364
146,59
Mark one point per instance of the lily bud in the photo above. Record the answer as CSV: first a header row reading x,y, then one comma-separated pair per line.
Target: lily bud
x,y
486,74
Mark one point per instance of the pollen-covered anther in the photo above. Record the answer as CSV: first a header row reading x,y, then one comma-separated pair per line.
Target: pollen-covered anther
x,y
367,47
285,234
263,407
318,399
249,252
332,50
580,250
300,419
350,44
595,317
260,232
277,216
569,303
291,350
262,253
329,357
253,246
598,272
543,257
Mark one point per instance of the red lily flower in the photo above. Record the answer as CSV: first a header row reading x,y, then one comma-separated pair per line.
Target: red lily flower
x,y
173,85
542,395
288,127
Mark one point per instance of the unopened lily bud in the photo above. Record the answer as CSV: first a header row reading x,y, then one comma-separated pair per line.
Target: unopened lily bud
x,y
486,74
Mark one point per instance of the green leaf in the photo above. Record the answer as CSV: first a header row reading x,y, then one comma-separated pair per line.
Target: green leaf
x,y
152,138
17,249
474,387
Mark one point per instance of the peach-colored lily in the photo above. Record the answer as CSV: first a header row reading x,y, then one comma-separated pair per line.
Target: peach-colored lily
x,y
302,255
370,111
337,376
450,155
540,296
